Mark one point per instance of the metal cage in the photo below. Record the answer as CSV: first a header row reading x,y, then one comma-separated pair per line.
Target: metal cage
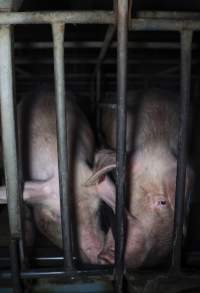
x,y
185,24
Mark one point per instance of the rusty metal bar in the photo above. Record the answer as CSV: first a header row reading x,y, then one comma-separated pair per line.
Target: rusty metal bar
x,y
168,14
99,17
81,17
148,24
186,44
11,164
122,32
58,39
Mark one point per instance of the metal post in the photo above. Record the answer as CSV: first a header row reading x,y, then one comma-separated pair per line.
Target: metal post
x,y
122,27
10,149
186,46
58,41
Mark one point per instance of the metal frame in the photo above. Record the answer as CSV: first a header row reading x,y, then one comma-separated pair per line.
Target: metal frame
x,y
148,22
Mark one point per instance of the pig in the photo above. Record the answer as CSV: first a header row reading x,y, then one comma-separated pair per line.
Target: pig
x,y
38,148
151,144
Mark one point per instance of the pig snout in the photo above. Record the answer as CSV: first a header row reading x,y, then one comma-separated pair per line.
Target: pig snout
x,y
107,255
91,241
135,245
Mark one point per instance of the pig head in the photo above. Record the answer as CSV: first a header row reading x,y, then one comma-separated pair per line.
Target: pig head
x,y
150,181
150,206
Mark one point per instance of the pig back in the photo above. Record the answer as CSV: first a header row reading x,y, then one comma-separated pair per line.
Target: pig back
x,y
38,138
151,116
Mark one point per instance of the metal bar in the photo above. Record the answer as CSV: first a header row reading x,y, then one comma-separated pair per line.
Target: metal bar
x,y
98,97
58,39
14,256
72,60
9,137
107,41
82,78
193,257
122,32
186,43
104,45
168,14
34,274
98,17
73,17
144,24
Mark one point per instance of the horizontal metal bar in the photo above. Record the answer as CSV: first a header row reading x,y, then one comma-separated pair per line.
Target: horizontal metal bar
x,y
59,69
92,44
73,17
168,14
98,17
34,274
82,78
72,60
144,24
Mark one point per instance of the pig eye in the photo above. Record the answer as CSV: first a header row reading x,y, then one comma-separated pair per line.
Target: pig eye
x,y
162,202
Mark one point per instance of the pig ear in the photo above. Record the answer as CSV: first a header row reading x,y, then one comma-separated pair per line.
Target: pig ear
x,y
105,161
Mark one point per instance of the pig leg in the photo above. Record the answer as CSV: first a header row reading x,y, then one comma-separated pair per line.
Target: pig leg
x,y
34,191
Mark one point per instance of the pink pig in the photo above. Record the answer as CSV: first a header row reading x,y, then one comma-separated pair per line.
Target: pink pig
x,y
151,142
38,145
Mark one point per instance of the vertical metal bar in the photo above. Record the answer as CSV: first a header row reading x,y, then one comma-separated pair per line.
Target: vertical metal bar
x,y
186,44
106,44
98,97
9,137
122,33
15,266
58,45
